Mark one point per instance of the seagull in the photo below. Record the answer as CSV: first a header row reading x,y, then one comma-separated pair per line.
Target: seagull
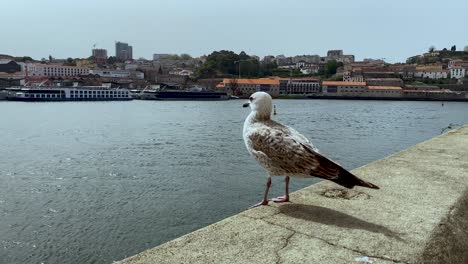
x,y
282,151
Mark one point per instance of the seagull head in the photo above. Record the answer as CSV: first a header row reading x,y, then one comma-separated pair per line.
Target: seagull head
x,y
261,103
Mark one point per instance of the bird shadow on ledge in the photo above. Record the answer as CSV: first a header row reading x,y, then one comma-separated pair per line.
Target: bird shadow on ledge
x,y
332,217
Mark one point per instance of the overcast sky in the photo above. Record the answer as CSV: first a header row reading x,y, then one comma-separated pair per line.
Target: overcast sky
x,y
387,29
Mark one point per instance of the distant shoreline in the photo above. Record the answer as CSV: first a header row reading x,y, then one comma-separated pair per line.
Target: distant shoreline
x,y
324,97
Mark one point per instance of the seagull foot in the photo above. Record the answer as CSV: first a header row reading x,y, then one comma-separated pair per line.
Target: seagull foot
x,y
281,199
264,202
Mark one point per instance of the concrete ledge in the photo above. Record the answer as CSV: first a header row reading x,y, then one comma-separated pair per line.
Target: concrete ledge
x,y
420,215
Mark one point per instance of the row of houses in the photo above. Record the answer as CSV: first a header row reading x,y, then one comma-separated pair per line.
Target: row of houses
x,y
59,70
364,90
276,86
272,85
357,71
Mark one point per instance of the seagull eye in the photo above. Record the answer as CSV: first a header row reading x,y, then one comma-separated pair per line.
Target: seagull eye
x,y
251,99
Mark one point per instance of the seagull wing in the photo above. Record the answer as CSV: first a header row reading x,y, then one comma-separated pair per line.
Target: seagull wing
x,y
283,150
290,153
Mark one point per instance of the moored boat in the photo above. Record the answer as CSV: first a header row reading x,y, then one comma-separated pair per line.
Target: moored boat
x,y
79,93
195,93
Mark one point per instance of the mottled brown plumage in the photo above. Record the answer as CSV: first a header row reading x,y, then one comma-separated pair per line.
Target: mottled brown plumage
x,y
283,151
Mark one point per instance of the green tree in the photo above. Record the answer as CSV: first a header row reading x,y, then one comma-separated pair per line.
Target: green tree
x,y
174,57
26,58
219,63
431,48
453,48
243,56
330,67
70,62
112,60
266,69
185,56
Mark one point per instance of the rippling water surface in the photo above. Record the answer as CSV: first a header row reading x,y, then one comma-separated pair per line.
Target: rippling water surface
x,y
93,182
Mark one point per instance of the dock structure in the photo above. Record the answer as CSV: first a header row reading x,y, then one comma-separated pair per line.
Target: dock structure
x,y
420,215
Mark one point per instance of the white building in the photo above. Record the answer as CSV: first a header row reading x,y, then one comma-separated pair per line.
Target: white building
x,y
457,72
434,74
182,72
117,74
38,69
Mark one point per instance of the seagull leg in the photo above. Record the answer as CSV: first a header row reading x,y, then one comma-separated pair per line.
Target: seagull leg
x,y
283,199
265,197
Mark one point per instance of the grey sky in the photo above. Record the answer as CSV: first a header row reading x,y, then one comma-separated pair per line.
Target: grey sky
x,y
366,28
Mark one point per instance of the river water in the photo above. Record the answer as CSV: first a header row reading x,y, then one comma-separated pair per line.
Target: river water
x,y
93,182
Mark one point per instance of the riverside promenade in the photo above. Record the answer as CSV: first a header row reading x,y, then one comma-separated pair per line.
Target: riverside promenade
x,y
420,215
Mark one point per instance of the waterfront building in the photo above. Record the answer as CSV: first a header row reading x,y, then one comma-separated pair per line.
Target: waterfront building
x,y
422,87
299,86
100,55
340,88
396,82
123,51
246,87
360,90
106,73
53,70
383,91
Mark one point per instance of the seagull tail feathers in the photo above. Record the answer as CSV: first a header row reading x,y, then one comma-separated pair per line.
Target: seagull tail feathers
x,y
349,180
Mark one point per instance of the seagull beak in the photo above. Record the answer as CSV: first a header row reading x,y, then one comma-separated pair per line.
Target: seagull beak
x,y
246,105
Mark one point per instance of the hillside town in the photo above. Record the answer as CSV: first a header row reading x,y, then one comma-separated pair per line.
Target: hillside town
x,y
434,75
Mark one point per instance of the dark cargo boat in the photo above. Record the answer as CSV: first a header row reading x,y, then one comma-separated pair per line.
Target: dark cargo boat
x,y
192,94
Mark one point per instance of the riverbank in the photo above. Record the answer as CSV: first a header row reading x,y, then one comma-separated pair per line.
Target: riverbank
x,y
387,98
418,216
326,97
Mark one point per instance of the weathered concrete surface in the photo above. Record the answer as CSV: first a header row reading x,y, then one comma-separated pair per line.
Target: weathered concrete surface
x,y
420,215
